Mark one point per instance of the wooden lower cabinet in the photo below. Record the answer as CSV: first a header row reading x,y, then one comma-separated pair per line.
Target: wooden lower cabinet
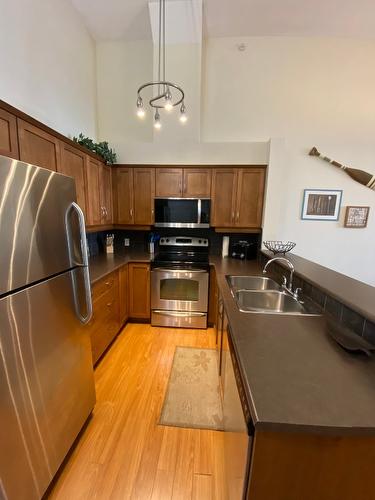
x,y
105,322
299,466
139,291
124,294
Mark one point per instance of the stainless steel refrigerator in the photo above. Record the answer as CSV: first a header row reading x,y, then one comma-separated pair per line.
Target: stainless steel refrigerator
x,y
46,375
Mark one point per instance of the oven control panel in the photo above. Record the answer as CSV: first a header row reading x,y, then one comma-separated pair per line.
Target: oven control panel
x,y
183,241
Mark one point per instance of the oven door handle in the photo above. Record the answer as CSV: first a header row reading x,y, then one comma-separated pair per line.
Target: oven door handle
x,y
179,314
180,271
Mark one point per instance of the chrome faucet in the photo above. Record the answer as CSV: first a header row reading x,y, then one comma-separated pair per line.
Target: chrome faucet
x,y
288,286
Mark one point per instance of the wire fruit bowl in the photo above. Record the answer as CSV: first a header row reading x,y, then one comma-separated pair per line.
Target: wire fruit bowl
x,y
276,246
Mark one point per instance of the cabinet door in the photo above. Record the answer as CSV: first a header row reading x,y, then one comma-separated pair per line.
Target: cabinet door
x,y
168,182
249,206
8,135
37,146
144,194
123,195
73,163
223,195
105,195
197,183
124,294
94,211
139,291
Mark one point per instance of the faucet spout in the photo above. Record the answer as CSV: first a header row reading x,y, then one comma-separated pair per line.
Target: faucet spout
x,y
288,263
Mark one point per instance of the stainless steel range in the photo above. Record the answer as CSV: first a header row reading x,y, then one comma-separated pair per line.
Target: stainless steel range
x,y
179,282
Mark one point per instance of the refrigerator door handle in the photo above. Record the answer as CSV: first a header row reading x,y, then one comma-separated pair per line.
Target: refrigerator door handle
x,y
86,275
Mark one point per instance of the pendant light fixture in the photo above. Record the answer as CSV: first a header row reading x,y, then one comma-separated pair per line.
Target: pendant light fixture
x,y
168,94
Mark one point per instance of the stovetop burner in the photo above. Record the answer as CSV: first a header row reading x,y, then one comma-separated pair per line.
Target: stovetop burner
x,y
179,252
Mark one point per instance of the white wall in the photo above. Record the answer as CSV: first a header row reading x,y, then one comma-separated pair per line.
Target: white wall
x,y
309,91
121,68
48,64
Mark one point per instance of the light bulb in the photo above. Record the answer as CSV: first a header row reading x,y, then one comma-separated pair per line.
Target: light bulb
x,y
140,111
168,106
157,123
183,116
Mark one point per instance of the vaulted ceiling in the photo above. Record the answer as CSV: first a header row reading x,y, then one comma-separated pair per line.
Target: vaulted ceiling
x,y
130,20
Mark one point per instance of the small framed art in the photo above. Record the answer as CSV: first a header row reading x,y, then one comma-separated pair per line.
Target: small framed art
x,y
321,204
356,217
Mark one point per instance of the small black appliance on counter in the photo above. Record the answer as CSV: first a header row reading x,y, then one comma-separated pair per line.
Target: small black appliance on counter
x,y
243,249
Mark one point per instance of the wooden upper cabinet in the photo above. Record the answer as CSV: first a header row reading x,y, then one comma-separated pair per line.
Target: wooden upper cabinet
x,y
223,195
144,194
37,146
139,291
183,182
123,199
197,183
168,182
73,163
94,212
250,191
105,195
8,135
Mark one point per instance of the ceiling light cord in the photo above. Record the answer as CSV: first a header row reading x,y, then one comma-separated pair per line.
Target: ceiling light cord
x,y
169,94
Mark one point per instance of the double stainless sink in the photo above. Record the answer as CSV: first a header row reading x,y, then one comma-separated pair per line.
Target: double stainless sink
x,y
257,294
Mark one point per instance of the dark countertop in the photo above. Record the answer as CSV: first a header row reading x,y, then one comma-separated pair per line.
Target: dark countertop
x,y
296,377
353,293
103,264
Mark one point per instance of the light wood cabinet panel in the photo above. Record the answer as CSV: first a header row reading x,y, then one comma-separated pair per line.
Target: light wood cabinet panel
x,y
123,200
144,194
105,194
37,146
73,163
250,190
139,291
197,183
94,212
168,182
223,195
124,294
8,135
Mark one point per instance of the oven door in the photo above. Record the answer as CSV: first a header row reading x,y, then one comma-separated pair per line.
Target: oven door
x,y
179,290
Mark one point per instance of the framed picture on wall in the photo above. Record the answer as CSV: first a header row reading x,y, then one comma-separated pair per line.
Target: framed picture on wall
x,y
356,217
321,204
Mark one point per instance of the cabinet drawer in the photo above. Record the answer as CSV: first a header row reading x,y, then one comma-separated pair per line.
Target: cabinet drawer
x,y
103,328
106,284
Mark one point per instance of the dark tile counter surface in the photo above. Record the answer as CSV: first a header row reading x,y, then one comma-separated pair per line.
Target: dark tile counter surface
x,y
103,264
296,377
353,293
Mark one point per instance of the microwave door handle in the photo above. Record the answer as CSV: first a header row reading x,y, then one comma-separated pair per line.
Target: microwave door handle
x,y
85,268
199,211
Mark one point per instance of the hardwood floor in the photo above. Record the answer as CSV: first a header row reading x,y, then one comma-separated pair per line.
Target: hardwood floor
x,y
123,453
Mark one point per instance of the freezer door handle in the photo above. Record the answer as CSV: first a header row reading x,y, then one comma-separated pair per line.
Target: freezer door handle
x,y
86,275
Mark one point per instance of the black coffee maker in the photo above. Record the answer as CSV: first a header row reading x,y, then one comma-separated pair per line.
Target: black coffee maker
x,y
245,250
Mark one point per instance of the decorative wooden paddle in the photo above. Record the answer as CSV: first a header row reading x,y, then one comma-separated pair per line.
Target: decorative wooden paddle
x,y
360,176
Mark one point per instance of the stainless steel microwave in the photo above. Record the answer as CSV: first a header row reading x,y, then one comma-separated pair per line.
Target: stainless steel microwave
x,y
182,212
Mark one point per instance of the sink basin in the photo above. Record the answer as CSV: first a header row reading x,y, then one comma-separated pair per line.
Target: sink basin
x,y
270,302
252,283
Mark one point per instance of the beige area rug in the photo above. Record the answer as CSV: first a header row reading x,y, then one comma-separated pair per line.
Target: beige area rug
x,y
193,397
